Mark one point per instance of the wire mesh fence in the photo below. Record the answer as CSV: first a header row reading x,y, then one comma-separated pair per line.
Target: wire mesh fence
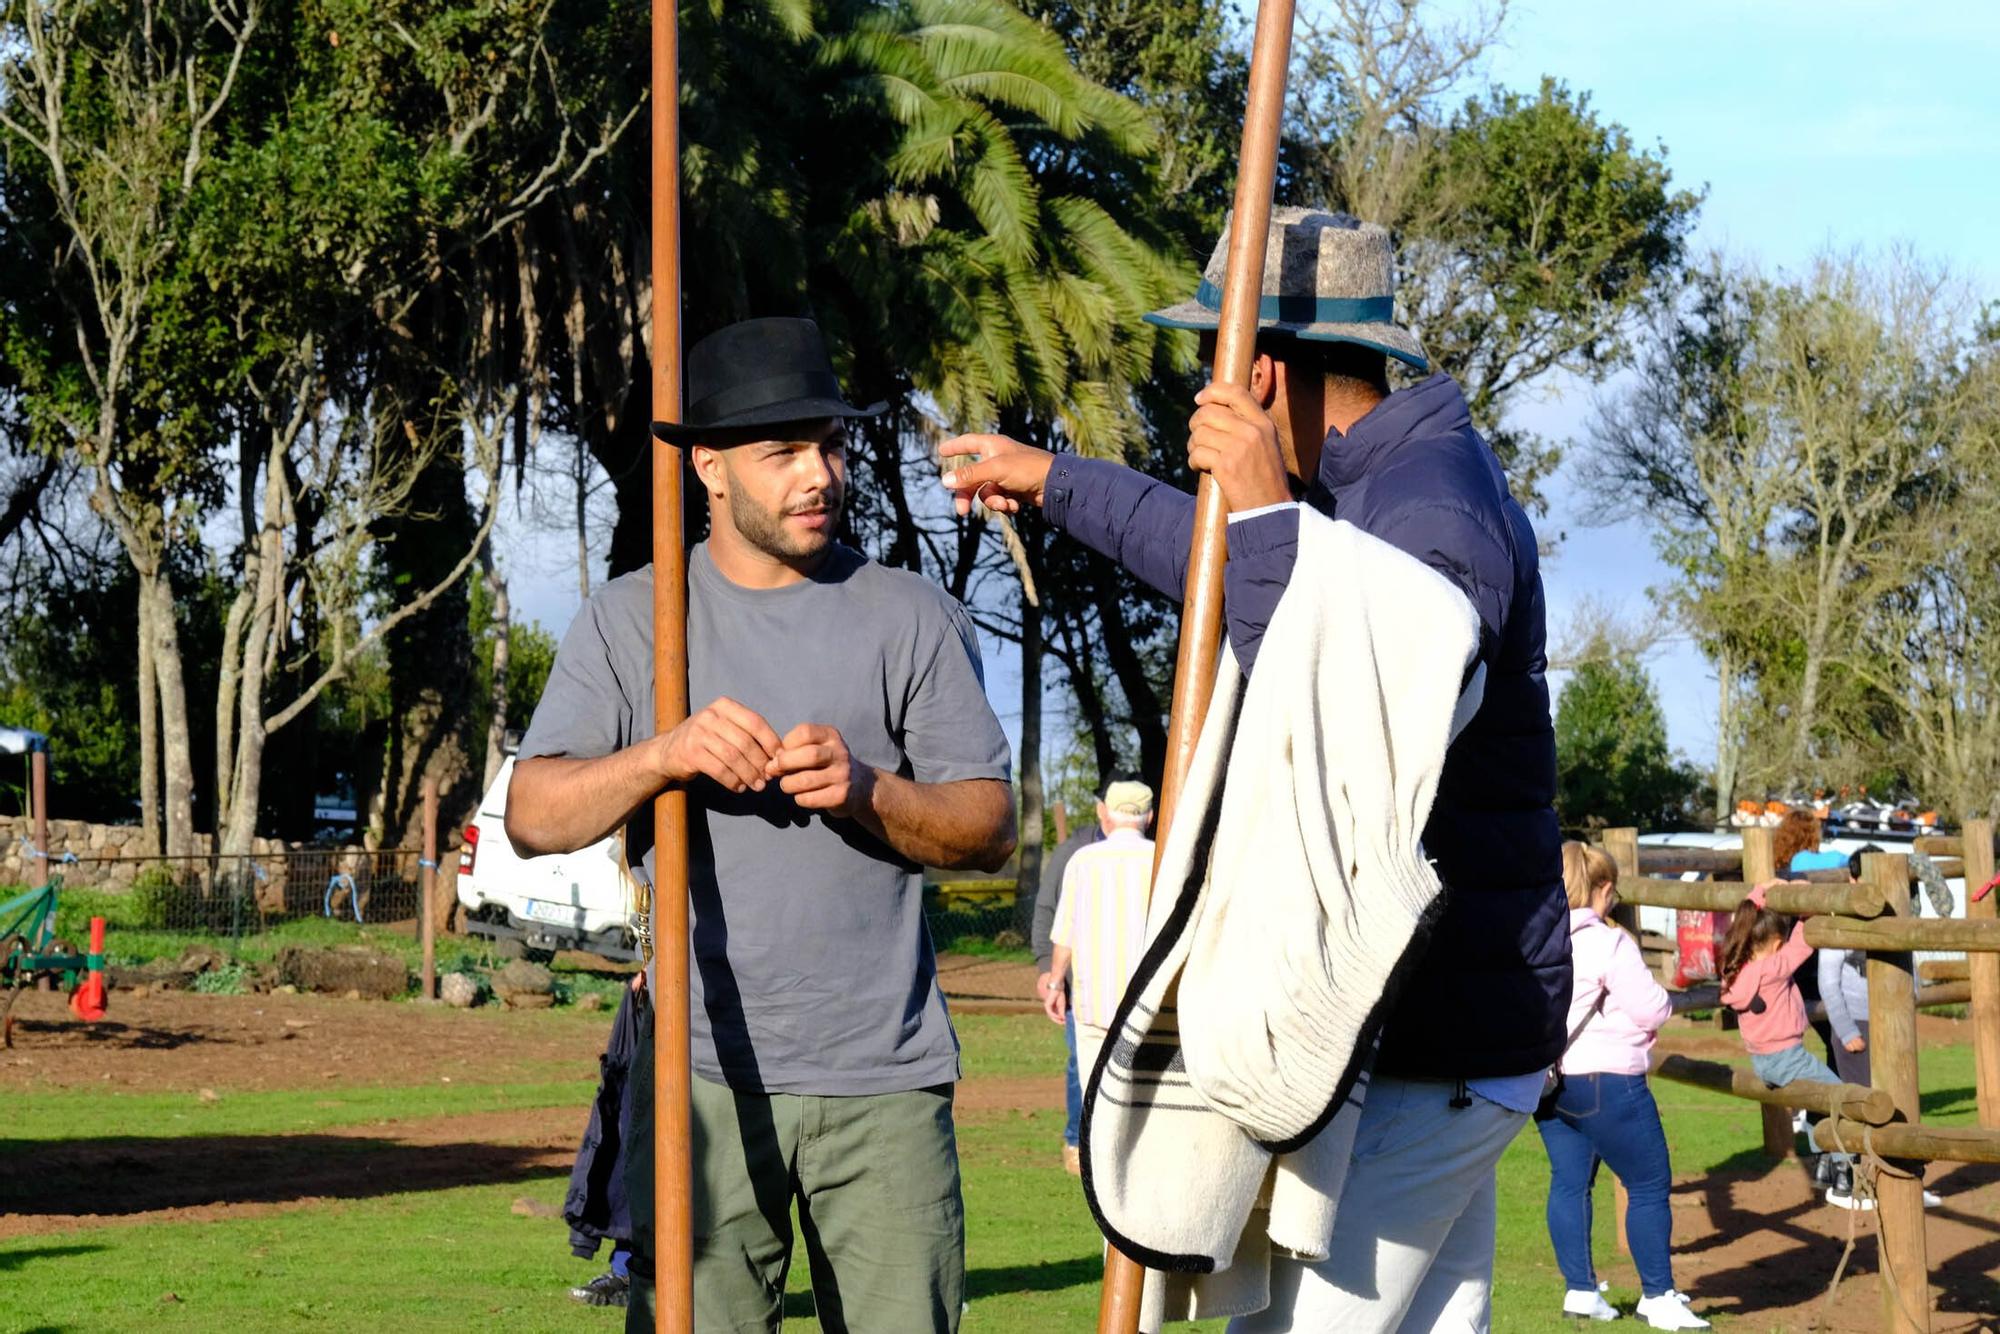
x,y
237,896
960,913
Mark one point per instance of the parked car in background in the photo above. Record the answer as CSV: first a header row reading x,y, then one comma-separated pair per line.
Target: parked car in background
x,y
580,900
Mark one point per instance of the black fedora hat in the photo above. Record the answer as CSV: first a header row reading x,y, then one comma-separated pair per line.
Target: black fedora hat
x,y
760,373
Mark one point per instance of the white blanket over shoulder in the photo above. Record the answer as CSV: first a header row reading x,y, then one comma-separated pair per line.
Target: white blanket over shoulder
x,y
1292,894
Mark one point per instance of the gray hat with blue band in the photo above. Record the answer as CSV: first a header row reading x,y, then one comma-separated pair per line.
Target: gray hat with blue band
x,y
1328,278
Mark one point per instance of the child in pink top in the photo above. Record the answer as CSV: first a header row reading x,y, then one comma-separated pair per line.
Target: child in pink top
x,y
1759,955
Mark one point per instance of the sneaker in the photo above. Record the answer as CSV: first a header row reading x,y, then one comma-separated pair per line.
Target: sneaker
x,y
1841,1193
1932,1199
1669,1310
607,1289
1822,1170
1072,1160
1588,1304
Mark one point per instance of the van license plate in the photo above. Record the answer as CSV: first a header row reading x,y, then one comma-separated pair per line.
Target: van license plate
x,y
560,913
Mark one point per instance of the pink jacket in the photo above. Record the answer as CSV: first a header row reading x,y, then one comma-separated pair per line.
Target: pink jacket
x,y
1781,1023
1618,1040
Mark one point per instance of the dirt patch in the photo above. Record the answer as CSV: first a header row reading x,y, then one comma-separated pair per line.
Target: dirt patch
x,y
1762,1246
1000,1095
180,1041
971,977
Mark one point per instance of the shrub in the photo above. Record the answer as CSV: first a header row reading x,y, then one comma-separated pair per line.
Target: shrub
x,y
163,901
229,980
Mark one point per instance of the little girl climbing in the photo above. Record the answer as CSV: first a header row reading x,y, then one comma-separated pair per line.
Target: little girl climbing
x,y
1759,955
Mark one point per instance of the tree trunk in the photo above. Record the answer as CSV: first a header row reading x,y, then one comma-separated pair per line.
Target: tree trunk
x,y
149,730
229,679
1140,696
264,580
429,654
496,727
1728,741
1029,880
1089,698
582,543
176,747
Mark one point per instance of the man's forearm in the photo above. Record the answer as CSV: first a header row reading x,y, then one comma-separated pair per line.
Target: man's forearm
x,y
557,804
964,826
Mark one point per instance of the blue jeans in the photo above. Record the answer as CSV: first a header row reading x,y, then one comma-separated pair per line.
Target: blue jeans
x,y
1072,1084
1609,1119
1779,1068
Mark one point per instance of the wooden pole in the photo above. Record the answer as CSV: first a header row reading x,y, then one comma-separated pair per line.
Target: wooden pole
x,y
1061,814
38,793
1890,932
1201,608
428,889
1761,867
1934,1144
1870,1106
1623,847
1983,971
1892,1038
1801,900
673,1167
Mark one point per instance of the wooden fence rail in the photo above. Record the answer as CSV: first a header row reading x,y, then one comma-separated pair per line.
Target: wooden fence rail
x,y
1867,1105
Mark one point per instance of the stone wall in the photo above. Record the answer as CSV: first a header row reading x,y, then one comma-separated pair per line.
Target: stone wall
x,y
108,854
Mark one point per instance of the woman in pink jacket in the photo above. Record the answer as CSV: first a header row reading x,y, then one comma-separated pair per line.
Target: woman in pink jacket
x,y
1602,1111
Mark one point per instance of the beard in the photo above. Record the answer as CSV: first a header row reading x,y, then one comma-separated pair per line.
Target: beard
x,y
766,530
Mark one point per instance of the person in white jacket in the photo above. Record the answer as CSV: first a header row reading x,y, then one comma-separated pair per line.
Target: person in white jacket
x,y
1603,1111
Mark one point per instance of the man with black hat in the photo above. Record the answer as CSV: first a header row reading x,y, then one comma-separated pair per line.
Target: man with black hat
x,y
1479,1017
845,742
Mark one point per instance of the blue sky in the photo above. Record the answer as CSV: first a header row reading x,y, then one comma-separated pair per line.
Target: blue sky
x,y
1832,124
1811,125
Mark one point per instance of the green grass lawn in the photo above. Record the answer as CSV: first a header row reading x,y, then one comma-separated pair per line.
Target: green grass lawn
x,y
458,1258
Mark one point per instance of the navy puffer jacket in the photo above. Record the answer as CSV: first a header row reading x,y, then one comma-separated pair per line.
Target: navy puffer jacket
x,y
1492,992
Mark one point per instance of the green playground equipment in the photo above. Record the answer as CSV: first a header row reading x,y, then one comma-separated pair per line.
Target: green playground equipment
x,y
31,952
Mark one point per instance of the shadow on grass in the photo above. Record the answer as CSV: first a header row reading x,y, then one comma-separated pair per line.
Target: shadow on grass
x,y
1934,1103
198,1175
995,1281
1752,1162
15,1259
112,1035
1047,1276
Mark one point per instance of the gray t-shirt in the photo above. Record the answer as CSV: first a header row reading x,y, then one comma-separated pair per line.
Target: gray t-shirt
x,y
811,965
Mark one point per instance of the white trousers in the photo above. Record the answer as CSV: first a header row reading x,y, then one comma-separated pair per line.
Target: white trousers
x,y
1413,1240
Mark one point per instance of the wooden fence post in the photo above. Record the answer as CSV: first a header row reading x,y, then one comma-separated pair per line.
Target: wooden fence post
x,y
1760,865
1984,972
427,881
1061,814
38,793
1623,847
1892,1039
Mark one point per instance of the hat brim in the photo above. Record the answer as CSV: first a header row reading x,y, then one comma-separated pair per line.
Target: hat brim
x,y
1391,339
769,414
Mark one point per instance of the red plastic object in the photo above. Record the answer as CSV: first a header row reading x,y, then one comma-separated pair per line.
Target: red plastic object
x,y
1697,935
87,1001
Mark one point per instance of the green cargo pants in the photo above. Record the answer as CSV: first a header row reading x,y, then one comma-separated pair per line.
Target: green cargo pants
x,y
876,1181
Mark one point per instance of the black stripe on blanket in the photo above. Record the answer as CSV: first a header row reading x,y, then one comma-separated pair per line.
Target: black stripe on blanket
x,y
1185,896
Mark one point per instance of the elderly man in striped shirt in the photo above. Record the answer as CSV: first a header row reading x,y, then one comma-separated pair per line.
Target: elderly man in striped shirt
x,y
1100,925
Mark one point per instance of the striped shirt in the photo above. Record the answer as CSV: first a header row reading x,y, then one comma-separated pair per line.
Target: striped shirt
x,y
1101,918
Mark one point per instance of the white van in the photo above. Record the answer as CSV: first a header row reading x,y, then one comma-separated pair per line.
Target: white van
x,y
580,900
